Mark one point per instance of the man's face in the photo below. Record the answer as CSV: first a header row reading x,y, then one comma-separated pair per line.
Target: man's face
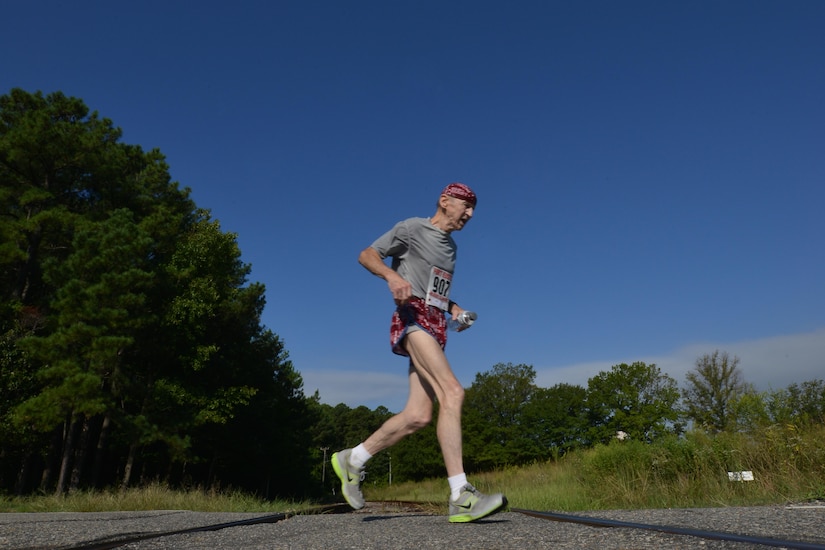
x,y
457,211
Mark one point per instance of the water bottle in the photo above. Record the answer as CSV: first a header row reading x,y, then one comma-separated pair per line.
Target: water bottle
x,y
464,319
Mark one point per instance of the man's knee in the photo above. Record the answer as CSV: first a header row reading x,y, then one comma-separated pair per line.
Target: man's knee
x,y
453,395
415,420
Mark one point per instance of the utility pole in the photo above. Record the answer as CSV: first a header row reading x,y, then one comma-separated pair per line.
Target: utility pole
x,y
324,467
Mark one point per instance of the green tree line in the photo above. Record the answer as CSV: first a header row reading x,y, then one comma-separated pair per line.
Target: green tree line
x,y
132,349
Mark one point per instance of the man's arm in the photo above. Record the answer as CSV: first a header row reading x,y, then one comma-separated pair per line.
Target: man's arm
x,y
399,287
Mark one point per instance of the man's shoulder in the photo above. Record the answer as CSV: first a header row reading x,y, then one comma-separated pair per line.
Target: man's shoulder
x,y
414,224
422,229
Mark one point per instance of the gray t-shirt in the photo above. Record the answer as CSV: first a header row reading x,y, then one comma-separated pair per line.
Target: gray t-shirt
x,y
416,247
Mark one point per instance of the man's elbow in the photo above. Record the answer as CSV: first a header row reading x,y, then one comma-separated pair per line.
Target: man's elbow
x,y
365,256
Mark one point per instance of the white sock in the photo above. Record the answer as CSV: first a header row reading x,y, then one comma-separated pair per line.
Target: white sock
x,y
359,456
457,483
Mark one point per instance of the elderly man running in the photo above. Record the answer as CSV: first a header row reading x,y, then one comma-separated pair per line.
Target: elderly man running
x,y
423,256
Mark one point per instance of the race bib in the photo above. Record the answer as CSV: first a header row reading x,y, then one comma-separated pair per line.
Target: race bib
x,y
439,293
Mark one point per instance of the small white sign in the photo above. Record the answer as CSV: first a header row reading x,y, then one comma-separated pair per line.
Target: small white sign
x,y
741,476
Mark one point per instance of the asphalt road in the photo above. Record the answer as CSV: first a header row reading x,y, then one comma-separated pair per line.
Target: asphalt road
x,y
383,526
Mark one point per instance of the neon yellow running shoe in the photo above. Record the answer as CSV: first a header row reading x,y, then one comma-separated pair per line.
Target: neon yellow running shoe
x,y
350,477
472,504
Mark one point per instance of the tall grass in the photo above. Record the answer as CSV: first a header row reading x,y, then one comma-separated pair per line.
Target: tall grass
x,y
691,471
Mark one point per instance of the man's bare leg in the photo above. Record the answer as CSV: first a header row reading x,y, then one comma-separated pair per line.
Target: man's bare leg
x,y
417,413
432,366
431,376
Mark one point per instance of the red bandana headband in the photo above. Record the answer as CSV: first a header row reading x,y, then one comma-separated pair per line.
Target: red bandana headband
x,y
460,191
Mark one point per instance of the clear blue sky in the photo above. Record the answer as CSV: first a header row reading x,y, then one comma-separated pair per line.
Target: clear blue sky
x,y
651,175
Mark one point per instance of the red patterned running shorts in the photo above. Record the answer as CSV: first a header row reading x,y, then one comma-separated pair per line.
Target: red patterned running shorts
x,y
417,312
